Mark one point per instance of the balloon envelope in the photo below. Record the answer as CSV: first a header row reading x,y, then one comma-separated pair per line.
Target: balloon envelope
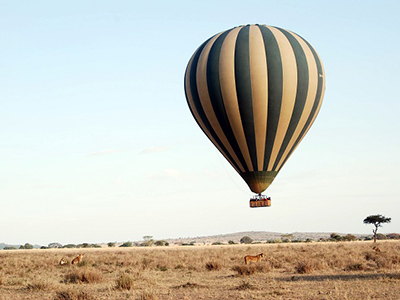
x,y
255,91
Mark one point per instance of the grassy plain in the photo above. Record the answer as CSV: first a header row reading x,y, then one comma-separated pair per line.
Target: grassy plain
x,y
341,270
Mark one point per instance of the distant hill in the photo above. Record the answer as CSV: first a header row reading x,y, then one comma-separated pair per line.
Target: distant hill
x,y
256,236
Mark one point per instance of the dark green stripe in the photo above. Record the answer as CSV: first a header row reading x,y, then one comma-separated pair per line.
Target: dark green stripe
x,y
214,90
193,91
275,89
318,99
244,91
301,94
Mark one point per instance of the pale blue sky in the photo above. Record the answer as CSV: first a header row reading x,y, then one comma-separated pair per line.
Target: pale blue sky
x,y
98,144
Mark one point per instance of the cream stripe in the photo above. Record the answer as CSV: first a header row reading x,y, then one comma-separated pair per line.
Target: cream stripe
x,y
196,115
201,74
289,92
259,87
312,92
318,108
229,96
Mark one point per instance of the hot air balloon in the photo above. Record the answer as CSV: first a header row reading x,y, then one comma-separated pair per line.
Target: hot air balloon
x,y
255,91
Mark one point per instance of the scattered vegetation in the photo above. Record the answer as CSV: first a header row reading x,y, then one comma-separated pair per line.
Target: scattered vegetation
x,y
336,270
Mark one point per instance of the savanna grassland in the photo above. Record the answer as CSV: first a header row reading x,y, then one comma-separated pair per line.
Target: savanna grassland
x,y
335,270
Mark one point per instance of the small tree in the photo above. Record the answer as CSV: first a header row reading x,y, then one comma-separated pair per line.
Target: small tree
x,y
336,237
28,246
246,240
377,221
287,238
148,240
55,245
111,244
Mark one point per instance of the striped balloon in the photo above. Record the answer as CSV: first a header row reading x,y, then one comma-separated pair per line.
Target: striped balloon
x,y
255,91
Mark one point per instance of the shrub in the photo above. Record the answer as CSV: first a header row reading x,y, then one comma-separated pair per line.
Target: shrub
x,y
217,243
161,243
127,244
350,238
231,243
124,282
336,237
246,240
213,266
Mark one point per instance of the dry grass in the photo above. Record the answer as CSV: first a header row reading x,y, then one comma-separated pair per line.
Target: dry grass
x,y
124,282
350,270
84,276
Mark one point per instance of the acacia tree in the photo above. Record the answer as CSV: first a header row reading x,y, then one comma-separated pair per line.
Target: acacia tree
x,y
377,221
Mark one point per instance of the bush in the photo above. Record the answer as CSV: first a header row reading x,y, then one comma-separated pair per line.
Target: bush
x,y
231,243
217,243
161,243
10,248
246,240
336,237
127,244
350,238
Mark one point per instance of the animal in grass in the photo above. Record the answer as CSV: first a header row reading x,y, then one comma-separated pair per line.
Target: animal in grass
x,y
257,258
376,248
77,259
63,261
